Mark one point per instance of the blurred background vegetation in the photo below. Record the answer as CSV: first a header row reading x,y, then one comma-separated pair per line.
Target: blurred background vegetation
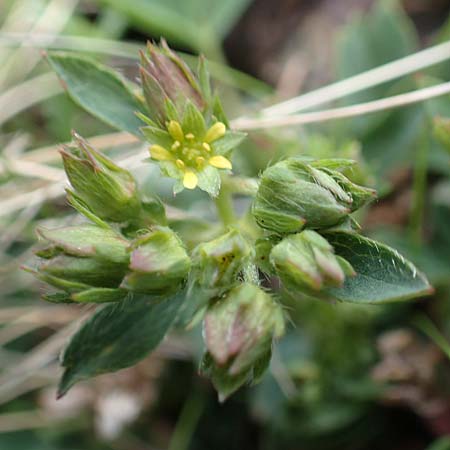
x,y
344,377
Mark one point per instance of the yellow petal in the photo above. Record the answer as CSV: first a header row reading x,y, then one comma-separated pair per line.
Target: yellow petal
x,y
215,132
220,162
190,180
160,153
175,131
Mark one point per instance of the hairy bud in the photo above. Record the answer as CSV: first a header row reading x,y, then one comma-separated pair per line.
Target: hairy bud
x,y
239,328
306,261
80,258
109,191
165,76
158,263
293,195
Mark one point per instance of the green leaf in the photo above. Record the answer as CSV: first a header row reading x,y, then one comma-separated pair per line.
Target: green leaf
x,y
383,275
99,90
117,336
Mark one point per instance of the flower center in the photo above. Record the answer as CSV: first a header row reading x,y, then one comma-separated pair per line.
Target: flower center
x,y
187,149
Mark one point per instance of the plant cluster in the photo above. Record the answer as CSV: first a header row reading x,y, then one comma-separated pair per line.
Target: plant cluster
x,y
299,229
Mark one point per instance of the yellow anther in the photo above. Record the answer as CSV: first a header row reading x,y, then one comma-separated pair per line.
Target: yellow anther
x,y
175,130
206,146
220,162
190,180
176,145
160,153
200,161
180,164
215,132
190,136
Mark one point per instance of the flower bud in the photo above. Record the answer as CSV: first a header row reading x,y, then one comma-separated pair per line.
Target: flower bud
x,y
165,76
293,195
239,328
87,241
306,261
108,190
158,264
217,263
81,257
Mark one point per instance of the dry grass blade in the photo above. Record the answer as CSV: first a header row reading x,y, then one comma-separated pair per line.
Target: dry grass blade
x,y
345,112
76,43
28,93
53,20
39,358
391,71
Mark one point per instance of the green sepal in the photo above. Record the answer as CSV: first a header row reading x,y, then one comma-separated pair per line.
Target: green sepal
x,y
209,180
77,203
88,271
218,111
60,283
263,247
100,295
193,121
157,136
224,383
229,142
58,297
204,79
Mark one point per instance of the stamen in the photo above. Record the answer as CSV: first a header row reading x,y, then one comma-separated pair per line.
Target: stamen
x,y
206,146
200,161
190,136
180,164
176,145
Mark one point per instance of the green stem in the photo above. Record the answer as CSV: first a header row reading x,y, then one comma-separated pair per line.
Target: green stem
x,y
187,422
241,185
419,190
431,330
224,205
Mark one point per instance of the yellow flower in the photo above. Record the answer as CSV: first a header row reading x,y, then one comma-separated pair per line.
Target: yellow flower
x,y
191,154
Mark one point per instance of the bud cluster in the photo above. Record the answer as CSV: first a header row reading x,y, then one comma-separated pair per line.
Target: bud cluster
x,y
90,263
296,201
